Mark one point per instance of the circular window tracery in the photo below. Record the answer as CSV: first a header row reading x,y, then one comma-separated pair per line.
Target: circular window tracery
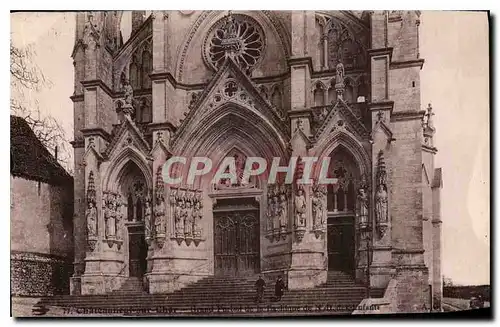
x,y
238,35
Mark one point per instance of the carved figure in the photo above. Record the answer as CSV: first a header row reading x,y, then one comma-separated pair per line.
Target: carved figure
x,y
147,217
318,208
283,210
381,204
363,205
188,223
109,218
300,207
270,213
339,79
197,215
128,93
91,215
179,218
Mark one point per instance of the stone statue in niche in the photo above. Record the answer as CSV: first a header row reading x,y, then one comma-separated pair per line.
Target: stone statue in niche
x,y
363,206
197,216
283,211
109,217
179,218
118,215
91,215
318,206
159,211
147,217
270,211
128,95
339,79
381,197
300,208
188,223
381,204
275,212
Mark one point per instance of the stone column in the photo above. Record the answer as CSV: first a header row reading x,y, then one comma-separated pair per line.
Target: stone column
x,y
308,260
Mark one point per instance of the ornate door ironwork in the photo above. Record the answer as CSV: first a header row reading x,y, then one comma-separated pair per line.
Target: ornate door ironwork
x,y
236,242
341,244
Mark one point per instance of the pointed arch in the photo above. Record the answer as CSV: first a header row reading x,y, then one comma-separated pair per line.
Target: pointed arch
x,y
319,93
118,165
146,69
339,138
232,126
243,120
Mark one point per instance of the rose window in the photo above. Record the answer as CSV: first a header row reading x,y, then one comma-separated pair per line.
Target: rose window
x,y
238,36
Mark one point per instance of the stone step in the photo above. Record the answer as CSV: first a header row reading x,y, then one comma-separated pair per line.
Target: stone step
x,y
249,303
207,301
210,292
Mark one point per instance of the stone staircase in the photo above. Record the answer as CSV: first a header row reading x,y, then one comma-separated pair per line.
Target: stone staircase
x,y
133,285
218,296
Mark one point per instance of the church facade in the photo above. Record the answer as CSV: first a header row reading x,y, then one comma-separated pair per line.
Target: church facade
x,y
270,84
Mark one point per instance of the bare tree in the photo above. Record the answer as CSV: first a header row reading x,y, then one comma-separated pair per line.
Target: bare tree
x,y
26,76
447,282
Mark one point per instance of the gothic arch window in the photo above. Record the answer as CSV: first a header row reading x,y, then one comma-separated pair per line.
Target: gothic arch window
x,y
138,207
133,189
240,33
341,197
340,44
332,94
362,91
319,95
130,207
134,74
348,91
147,67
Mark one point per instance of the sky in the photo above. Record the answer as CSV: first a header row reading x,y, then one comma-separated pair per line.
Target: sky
x,y
455,79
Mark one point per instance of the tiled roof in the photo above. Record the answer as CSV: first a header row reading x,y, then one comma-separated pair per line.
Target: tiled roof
x,y
30,159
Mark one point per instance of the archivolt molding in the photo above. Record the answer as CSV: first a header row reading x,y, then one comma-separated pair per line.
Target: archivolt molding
x,y
231,120
328,144
117,167
266,19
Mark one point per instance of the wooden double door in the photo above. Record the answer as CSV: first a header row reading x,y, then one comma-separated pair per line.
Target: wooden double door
x,y
236,242
341,240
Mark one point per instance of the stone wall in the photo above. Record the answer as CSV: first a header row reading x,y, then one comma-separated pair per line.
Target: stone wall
x,y
41,237
37,274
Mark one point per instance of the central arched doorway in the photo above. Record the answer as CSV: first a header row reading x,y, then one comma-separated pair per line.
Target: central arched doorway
x,y
133,188
341,205
236,237
236,216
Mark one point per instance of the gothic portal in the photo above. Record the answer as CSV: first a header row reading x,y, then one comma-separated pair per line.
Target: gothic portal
x,y
343,85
